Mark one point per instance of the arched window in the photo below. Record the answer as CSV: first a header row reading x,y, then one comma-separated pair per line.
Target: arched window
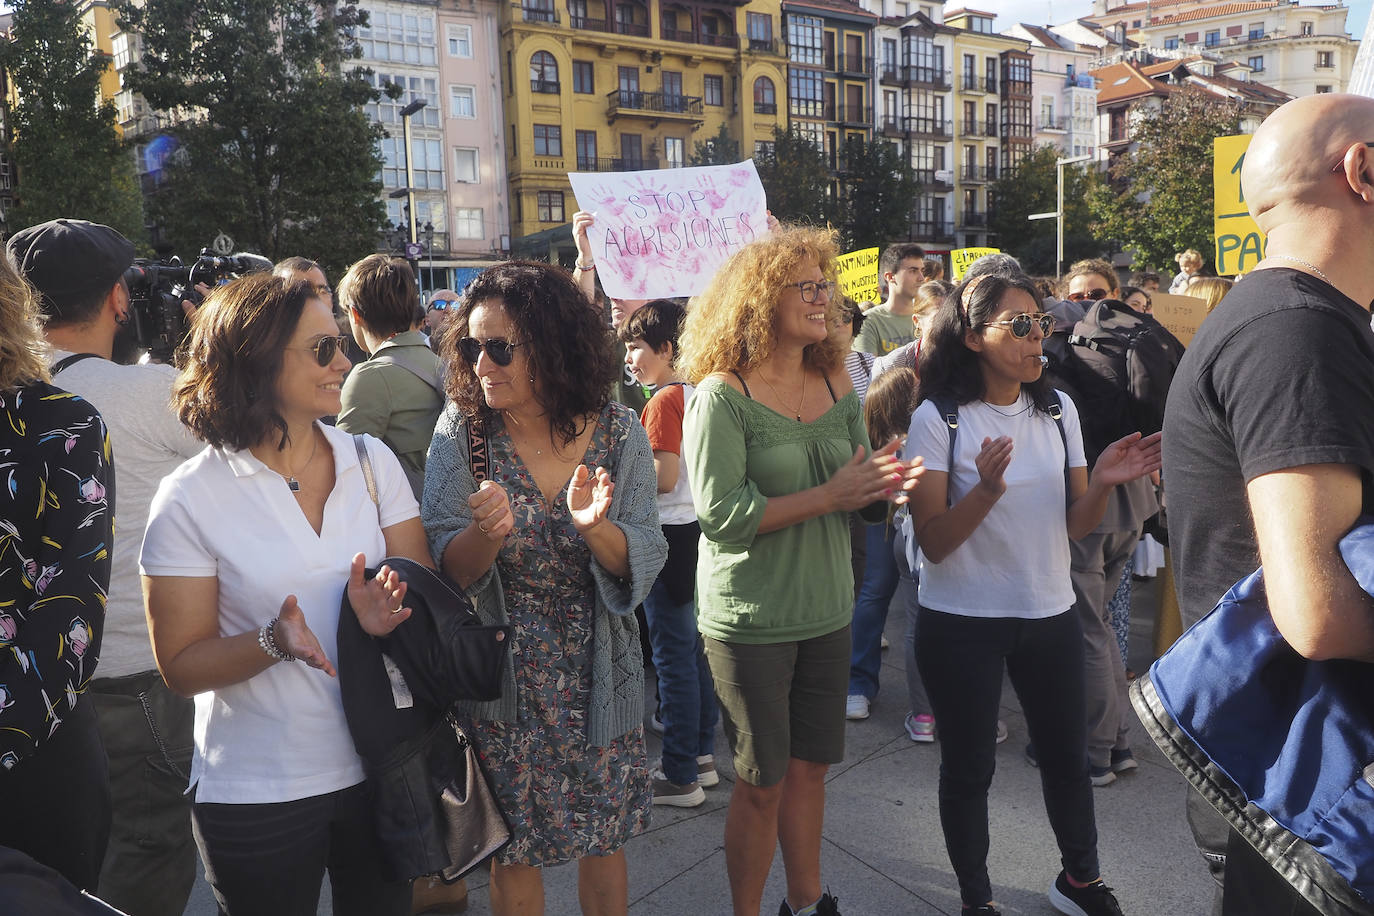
x,y
765,102
543,73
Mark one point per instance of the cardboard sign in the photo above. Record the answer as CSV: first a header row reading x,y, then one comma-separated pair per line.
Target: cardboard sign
x,y
858,272
1240,244
664,232
961,258
1181,315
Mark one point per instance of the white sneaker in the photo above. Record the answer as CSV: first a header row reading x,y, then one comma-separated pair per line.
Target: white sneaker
x,y
1001,731
883,642
856,706
706,771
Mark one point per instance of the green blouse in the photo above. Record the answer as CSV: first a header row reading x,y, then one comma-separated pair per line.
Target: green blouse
x,y
787,585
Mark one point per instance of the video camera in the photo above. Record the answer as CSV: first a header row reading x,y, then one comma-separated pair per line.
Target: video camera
x,y
157,289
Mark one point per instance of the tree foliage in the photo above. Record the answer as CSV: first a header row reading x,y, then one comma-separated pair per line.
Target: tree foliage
x,y
70,160
879,187
722,149
1158,199
272,145
796,179
1033,188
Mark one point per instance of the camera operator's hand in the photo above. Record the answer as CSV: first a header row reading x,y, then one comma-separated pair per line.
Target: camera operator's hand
x,y
188,308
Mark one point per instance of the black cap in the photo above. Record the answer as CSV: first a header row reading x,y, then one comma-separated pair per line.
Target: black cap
x,y
69,261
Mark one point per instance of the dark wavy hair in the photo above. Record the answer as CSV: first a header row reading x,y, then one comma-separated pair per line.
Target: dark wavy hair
x,y
947,366
568,345
226,393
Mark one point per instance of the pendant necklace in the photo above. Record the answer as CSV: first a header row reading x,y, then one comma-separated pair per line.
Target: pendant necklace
x,y
1309,266
292,483
802,404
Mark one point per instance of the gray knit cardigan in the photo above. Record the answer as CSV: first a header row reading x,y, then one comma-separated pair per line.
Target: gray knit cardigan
x,y
617,689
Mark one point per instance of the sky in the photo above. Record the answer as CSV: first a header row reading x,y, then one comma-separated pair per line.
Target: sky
x,y
1049,12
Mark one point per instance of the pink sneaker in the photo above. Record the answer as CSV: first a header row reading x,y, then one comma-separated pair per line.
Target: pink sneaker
x,y
920,729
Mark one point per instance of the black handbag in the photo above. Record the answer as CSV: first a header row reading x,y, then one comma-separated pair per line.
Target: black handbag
x,y
436,784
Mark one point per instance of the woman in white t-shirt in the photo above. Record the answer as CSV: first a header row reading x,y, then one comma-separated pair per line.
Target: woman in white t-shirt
x,y
994,525
249,548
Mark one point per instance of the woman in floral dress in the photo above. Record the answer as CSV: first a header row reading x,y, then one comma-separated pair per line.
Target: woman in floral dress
x,y
558,535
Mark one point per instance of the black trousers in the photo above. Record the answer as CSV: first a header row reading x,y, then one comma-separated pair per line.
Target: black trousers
x,y
269,859
56,803
961,661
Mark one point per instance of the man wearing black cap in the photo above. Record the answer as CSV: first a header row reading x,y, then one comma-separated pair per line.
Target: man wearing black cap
x,y
78,269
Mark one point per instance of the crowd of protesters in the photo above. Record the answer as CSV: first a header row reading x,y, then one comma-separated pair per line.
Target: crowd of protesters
x,y
750,475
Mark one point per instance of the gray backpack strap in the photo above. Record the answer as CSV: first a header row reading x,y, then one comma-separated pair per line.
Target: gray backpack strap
x,y
433,381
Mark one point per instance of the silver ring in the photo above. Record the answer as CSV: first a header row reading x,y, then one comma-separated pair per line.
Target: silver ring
x,y
482,526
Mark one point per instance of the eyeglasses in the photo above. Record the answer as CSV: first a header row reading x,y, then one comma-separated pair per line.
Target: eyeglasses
x,y
1341,161
440,305
1095,295
810,289
1021,325
500,351
325,349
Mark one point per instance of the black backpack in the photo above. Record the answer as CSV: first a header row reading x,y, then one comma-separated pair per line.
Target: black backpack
x,y
1117,365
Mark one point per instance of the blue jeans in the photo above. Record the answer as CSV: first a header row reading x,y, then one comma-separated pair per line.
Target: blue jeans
x,y
870,610
686,695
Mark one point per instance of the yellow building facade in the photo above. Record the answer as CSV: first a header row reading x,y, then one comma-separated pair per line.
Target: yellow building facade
x,y
623,86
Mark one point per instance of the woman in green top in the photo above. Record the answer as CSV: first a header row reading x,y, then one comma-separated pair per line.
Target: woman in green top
x,y
777,455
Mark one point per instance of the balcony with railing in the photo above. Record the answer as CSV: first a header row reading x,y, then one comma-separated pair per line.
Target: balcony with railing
x,y
692,37
930,127
634,29
854,65
593,164
535,13
764,46
935,179
893,126
932,230
978,173
974,129
766,108
657,106
854,114
590,25
971,83
545,87
1060,123
973,219
926,77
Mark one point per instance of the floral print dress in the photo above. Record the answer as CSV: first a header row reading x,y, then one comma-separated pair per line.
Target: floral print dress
x,y
563,798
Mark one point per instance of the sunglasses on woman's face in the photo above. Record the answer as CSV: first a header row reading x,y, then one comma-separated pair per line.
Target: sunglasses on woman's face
x,y
1096,295
325,349
1021,325
500,351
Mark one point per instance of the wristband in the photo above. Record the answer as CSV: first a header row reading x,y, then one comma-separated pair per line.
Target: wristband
x,y
580,266
267,641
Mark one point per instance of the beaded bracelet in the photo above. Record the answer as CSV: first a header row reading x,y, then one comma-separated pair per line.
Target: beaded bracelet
x,y
267,639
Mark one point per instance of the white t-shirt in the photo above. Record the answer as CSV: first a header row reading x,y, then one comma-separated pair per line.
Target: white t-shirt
x,y
280,735
1016,562
148,442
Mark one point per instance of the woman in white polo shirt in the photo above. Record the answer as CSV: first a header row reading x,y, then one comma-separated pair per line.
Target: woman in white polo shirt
x,y
249,548
1006,486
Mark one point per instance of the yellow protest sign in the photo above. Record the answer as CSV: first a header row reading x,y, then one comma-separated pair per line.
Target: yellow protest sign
x,y
961,258
1240,244
858,273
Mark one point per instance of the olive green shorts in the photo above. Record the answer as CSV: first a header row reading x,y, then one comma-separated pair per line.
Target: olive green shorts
x,y
782,700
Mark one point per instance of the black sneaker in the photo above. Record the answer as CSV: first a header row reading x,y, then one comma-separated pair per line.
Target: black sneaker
x,y
986,909
1094,900
826,906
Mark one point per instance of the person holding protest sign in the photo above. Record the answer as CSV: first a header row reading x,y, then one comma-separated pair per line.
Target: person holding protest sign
x,y
777,453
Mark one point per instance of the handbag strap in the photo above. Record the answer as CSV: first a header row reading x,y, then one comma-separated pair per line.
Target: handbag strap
x,y
365,460
477,449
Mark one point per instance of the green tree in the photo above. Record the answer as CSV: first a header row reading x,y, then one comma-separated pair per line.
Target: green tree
x,y
879,188
1033,188
796,180
69,158
722,149
1158,199
274,148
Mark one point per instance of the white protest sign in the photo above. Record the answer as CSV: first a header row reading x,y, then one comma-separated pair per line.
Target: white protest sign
x,y
664,232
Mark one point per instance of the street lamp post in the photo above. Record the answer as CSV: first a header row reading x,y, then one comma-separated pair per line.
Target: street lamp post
x,y
429,249
1058,214
406,113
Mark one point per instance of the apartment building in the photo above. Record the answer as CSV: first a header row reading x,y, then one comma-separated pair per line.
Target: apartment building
x,y
830,68
624,85
1065,96
993,92
1295,48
